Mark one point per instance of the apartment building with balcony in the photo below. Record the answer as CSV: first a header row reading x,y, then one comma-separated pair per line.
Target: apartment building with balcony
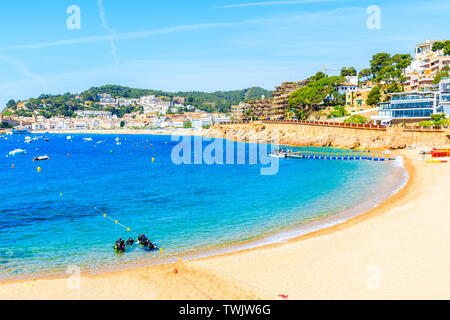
x,y
238,112
425,66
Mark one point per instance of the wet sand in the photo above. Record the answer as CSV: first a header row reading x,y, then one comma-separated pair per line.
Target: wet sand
x,y
399,250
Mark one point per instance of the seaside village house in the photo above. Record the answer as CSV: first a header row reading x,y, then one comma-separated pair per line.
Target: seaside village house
x,y
356,101
152,104
421,98
199,120
85,120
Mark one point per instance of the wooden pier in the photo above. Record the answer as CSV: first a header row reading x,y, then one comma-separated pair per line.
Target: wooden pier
x,y
353,155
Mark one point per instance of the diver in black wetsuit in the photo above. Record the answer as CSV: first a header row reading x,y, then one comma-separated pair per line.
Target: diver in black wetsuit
x,y
130,242
120,245
150,245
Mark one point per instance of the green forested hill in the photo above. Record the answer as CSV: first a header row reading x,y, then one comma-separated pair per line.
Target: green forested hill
x,y
66,104
213,102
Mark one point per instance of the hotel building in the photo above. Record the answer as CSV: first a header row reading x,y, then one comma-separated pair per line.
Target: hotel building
x,y
407,107
444,92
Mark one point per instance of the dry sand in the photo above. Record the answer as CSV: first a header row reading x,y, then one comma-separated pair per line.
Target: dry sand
x,y
399,250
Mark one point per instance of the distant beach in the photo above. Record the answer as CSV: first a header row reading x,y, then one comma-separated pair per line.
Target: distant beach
x,y
160,132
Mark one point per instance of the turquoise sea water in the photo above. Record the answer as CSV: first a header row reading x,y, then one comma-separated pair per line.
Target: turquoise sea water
x,y
181,208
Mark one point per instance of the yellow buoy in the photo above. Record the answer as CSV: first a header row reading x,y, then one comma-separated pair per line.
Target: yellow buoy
x,y
60,194
128,229
161,250
180,260
116,222
153,159
104,215
39,169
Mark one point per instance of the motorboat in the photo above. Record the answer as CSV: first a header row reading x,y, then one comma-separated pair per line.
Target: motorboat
x,y
41,158
17,152
20,130
278,154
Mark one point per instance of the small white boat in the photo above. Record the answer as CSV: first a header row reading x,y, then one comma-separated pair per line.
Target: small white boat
x,y
278,155
17,152
28,141
69,138
87,139
41,158
117,139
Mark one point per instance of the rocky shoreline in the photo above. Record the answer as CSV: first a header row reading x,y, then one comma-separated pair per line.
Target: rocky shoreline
x,y
322,136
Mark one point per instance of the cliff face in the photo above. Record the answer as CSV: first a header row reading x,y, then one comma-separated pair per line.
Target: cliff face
x,y
322,136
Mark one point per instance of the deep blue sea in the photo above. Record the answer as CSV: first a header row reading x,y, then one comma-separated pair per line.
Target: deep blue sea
x,y
181,208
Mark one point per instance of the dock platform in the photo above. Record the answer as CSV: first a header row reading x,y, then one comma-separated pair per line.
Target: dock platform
x,y
370,156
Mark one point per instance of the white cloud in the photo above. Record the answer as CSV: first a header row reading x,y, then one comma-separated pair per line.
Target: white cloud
x,y
131,35
111,31
20,67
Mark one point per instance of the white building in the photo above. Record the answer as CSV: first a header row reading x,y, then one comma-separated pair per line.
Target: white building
x,y
106,100
63,124
352,79
80,125
85,114
221,118
126,102
147,100
200,122
135,124
343,88
38,126
158,106
426,64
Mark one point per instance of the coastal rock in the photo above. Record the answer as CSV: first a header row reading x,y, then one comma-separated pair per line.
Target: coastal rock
x,y
325,136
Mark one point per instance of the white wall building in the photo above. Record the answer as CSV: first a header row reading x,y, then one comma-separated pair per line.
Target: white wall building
x,y
221,119
343,88
93,114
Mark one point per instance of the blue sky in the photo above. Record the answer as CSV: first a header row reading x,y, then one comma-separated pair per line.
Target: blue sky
x,y
199,45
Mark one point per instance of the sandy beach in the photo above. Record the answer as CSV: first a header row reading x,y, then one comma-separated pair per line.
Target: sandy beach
x,y
399,250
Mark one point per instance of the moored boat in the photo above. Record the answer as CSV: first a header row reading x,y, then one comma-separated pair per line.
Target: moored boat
x,y
41,158
17,152
438,153
20,130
